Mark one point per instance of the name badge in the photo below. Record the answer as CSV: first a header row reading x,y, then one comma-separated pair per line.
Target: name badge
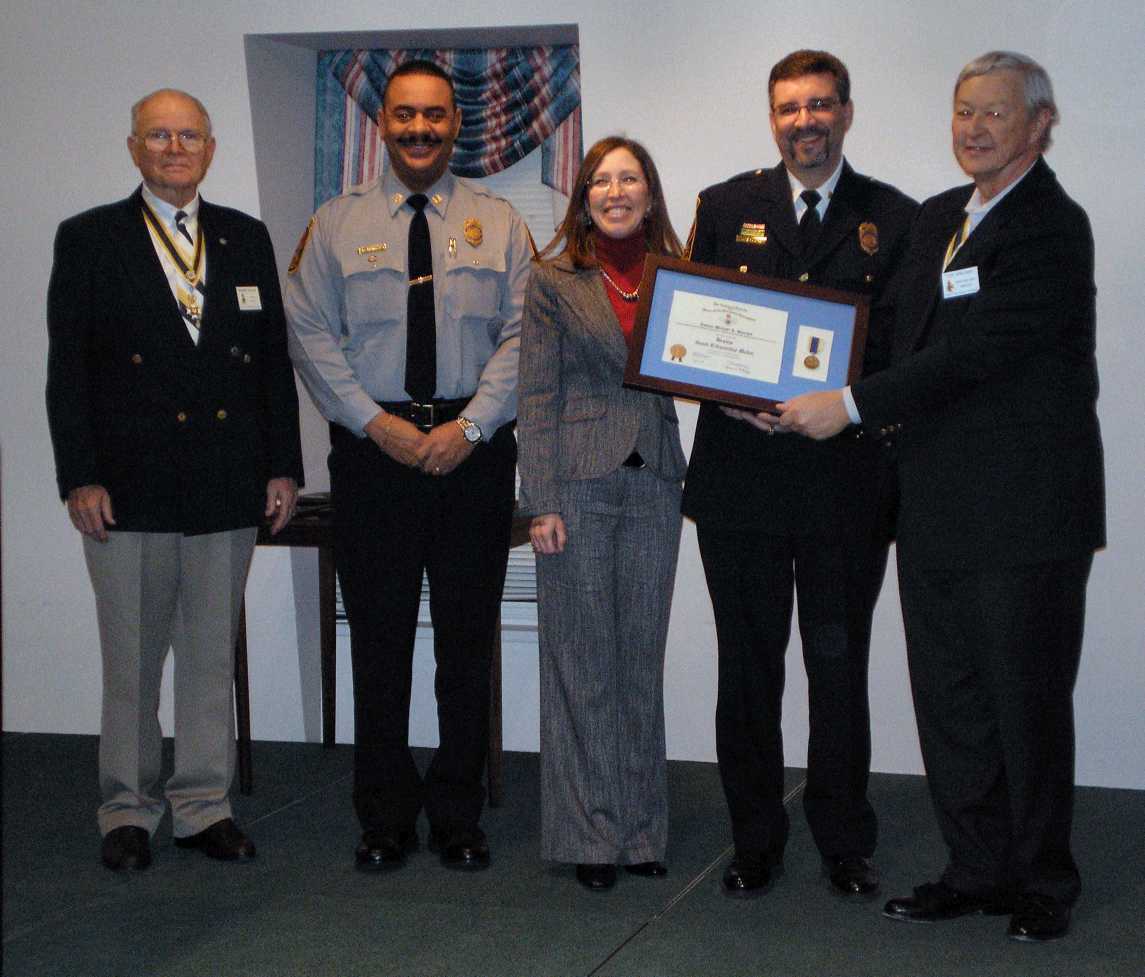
x,y
249,299
964,281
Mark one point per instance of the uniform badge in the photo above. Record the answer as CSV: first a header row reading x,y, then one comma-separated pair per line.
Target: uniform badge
x,y
752,234
473,233
868,237
437,198
372,248
302,242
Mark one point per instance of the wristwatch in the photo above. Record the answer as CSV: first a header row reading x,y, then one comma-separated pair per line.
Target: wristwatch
x,y
470,429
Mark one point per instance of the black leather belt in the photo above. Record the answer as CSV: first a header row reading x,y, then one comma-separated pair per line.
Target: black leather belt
x,y
634,461
426,416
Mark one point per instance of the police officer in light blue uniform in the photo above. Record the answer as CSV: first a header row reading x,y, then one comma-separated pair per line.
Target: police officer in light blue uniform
x,y
404,302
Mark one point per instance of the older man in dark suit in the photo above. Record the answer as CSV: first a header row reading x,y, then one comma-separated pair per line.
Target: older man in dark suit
x,y
993,394
776,514
174,420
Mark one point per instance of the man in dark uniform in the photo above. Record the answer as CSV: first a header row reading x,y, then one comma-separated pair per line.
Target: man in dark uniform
x,y
776,513
174,420
993,391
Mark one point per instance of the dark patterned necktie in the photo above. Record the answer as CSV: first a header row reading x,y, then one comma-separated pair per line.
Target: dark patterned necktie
x,y
421,325
180,217
810,223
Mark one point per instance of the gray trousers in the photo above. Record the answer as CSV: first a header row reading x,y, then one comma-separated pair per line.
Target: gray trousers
x,y
157,592
603,616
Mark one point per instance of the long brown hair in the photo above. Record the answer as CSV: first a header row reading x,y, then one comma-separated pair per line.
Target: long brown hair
x,y
575,232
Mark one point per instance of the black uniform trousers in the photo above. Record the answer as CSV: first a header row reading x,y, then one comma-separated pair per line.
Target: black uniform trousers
x,y
391,523
993,660
752,577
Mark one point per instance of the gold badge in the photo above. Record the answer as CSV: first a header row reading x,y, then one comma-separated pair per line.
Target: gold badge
x,y
437,198
302,242
473,233
868,237
372,248
752,234
811,360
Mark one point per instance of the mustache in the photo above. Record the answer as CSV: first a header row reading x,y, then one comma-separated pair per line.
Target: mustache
x,y
427,139
814,130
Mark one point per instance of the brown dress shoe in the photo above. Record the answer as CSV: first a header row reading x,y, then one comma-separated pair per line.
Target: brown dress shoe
x,y
222,840
126,848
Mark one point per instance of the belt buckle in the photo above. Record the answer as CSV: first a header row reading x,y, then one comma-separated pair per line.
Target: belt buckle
x,y
422,415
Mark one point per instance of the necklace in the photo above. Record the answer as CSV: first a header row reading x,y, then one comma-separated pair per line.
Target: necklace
x,y
627,296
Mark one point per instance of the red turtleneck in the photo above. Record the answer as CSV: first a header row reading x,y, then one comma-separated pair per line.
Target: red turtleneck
x,y
623,259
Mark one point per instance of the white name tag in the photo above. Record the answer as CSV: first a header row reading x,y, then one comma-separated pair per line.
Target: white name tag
x,y
249,299
964,281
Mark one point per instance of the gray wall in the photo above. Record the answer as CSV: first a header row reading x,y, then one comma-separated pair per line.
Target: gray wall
x,y
693,89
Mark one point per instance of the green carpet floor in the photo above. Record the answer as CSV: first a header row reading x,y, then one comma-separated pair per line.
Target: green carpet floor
x,y
302,909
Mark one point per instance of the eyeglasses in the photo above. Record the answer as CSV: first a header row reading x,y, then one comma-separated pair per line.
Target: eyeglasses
x,y
158,140
629,181
816,106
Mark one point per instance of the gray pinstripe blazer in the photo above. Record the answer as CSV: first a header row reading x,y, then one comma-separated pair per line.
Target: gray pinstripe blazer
x,y
575,419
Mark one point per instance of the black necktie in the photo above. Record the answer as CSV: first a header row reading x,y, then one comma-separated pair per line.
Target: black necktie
x,y
809,224
421,325
180,216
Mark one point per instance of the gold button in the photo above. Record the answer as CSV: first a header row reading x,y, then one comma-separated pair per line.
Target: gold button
x,y
221,414
372,259
804,277
235,351
868,278
743,269
136,359
476,262
246,357
181,416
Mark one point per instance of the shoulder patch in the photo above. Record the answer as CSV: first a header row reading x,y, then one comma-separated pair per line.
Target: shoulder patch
x,y
301,248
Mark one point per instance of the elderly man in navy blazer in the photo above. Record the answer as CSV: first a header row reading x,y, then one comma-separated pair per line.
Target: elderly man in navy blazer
x,y
174,420
992,398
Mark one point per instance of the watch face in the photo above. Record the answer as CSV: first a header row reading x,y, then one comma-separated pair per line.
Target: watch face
x,y
470,429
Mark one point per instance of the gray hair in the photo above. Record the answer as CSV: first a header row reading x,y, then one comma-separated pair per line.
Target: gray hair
x,y
138,106
1038,89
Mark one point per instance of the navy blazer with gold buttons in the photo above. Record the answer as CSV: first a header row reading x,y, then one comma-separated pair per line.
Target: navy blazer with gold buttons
x,y
183,436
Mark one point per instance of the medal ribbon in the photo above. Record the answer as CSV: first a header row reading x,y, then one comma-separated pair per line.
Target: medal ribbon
x,y
192,272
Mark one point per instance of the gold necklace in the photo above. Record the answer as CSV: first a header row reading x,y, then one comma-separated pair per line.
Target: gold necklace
x,y
627,296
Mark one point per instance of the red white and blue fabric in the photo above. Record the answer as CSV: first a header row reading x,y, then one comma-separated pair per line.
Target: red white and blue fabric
x,y
512,101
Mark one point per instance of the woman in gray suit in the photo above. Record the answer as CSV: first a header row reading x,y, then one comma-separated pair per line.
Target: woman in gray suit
x,y
601,468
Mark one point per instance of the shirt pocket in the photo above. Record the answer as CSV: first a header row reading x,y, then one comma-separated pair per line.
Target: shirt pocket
x,y
473,287
374,289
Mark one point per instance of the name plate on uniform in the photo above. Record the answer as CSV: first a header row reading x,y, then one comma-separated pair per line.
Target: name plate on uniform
x,y
710,333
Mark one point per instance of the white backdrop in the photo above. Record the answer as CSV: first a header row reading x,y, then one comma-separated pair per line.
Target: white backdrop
x,y
692,86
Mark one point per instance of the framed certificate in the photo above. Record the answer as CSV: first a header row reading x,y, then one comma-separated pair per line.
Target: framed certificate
x,y
744,340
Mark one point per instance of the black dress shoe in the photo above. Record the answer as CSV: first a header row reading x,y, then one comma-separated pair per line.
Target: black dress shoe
x,y
853,875
222,840
647,870
465,849
385,849
596,877
1039,919
746,880
126,848
932,903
